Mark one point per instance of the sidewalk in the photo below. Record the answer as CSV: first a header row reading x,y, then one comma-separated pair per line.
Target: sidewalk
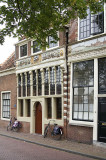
x,y
96,152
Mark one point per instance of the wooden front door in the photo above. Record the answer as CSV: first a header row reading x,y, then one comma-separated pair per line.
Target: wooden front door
x,y
38,118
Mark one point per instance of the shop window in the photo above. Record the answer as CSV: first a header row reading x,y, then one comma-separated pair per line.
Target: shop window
x,y
46,81
102,75
39,83
58,108
6,105
58,80
36,47
23,85
28,84
23,50
49,108
93,24
34,83
52,81
83,90
19,85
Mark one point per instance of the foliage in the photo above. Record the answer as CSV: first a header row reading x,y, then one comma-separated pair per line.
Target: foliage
x,y
36,19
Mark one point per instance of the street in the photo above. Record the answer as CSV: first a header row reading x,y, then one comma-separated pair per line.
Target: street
x,y
12,149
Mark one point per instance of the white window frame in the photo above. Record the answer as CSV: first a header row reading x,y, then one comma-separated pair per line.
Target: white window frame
x,y
2,106
55,46
32,49
71,121
96,34
20,53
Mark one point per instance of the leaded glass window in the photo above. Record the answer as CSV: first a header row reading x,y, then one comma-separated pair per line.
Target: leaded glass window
x,y
34,83
23,84
19,85
28,84
58,80
6,105
93,24
39,83
83,90
102,75
52,81
46,81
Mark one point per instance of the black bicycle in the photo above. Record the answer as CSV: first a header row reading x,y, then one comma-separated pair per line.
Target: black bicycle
x,y
55,131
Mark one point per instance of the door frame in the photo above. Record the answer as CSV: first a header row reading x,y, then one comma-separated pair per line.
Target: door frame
x,y
33,110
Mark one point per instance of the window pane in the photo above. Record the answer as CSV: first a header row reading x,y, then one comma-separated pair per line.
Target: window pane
x,y
93,24
83,91
102,75
6,105
49,108
46,81
34,83
58,108
52,81
36,47
23,50
51,42
28,84
39,83
58,80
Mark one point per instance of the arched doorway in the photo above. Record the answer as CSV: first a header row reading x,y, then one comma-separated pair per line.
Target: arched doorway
x,y
38,118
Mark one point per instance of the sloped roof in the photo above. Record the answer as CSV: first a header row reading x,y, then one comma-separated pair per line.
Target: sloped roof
x,y
8,63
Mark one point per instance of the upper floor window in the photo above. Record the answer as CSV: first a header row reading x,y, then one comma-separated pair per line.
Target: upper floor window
x,y
36,47
93,24
23,50
51,42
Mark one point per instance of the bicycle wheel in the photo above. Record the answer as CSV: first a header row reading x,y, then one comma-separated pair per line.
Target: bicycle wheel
x,y
15,129
45,131
9,128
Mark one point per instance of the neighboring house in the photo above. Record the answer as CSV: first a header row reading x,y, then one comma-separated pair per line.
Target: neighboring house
x,y
87,63
8,93
65,82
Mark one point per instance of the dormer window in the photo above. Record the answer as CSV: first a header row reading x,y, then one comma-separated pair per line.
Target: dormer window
x,y
23,50
93,24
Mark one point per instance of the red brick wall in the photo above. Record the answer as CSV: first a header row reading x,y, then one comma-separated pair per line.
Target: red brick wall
x,y
25,127
80,134
8,83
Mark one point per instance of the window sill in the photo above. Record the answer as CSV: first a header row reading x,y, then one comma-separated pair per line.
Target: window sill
x,y
81,123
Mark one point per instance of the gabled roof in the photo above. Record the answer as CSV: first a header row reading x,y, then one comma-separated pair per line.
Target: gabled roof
x,y
8,63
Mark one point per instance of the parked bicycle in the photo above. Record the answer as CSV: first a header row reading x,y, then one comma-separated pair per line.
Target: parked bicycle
x,y
55,131
14,125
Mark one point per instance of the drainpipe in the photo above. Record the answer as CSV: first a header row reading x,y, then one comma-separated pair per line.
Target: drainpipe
x,y
66,48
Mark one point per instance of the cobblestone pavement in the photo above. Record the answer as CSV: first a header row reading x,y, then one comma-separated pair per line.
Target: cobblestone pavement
x,y
12,149
93,151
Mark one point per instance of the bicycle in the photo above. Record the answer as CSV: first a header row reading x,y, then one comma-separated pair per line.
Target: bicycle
x,y
13,125
56,132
